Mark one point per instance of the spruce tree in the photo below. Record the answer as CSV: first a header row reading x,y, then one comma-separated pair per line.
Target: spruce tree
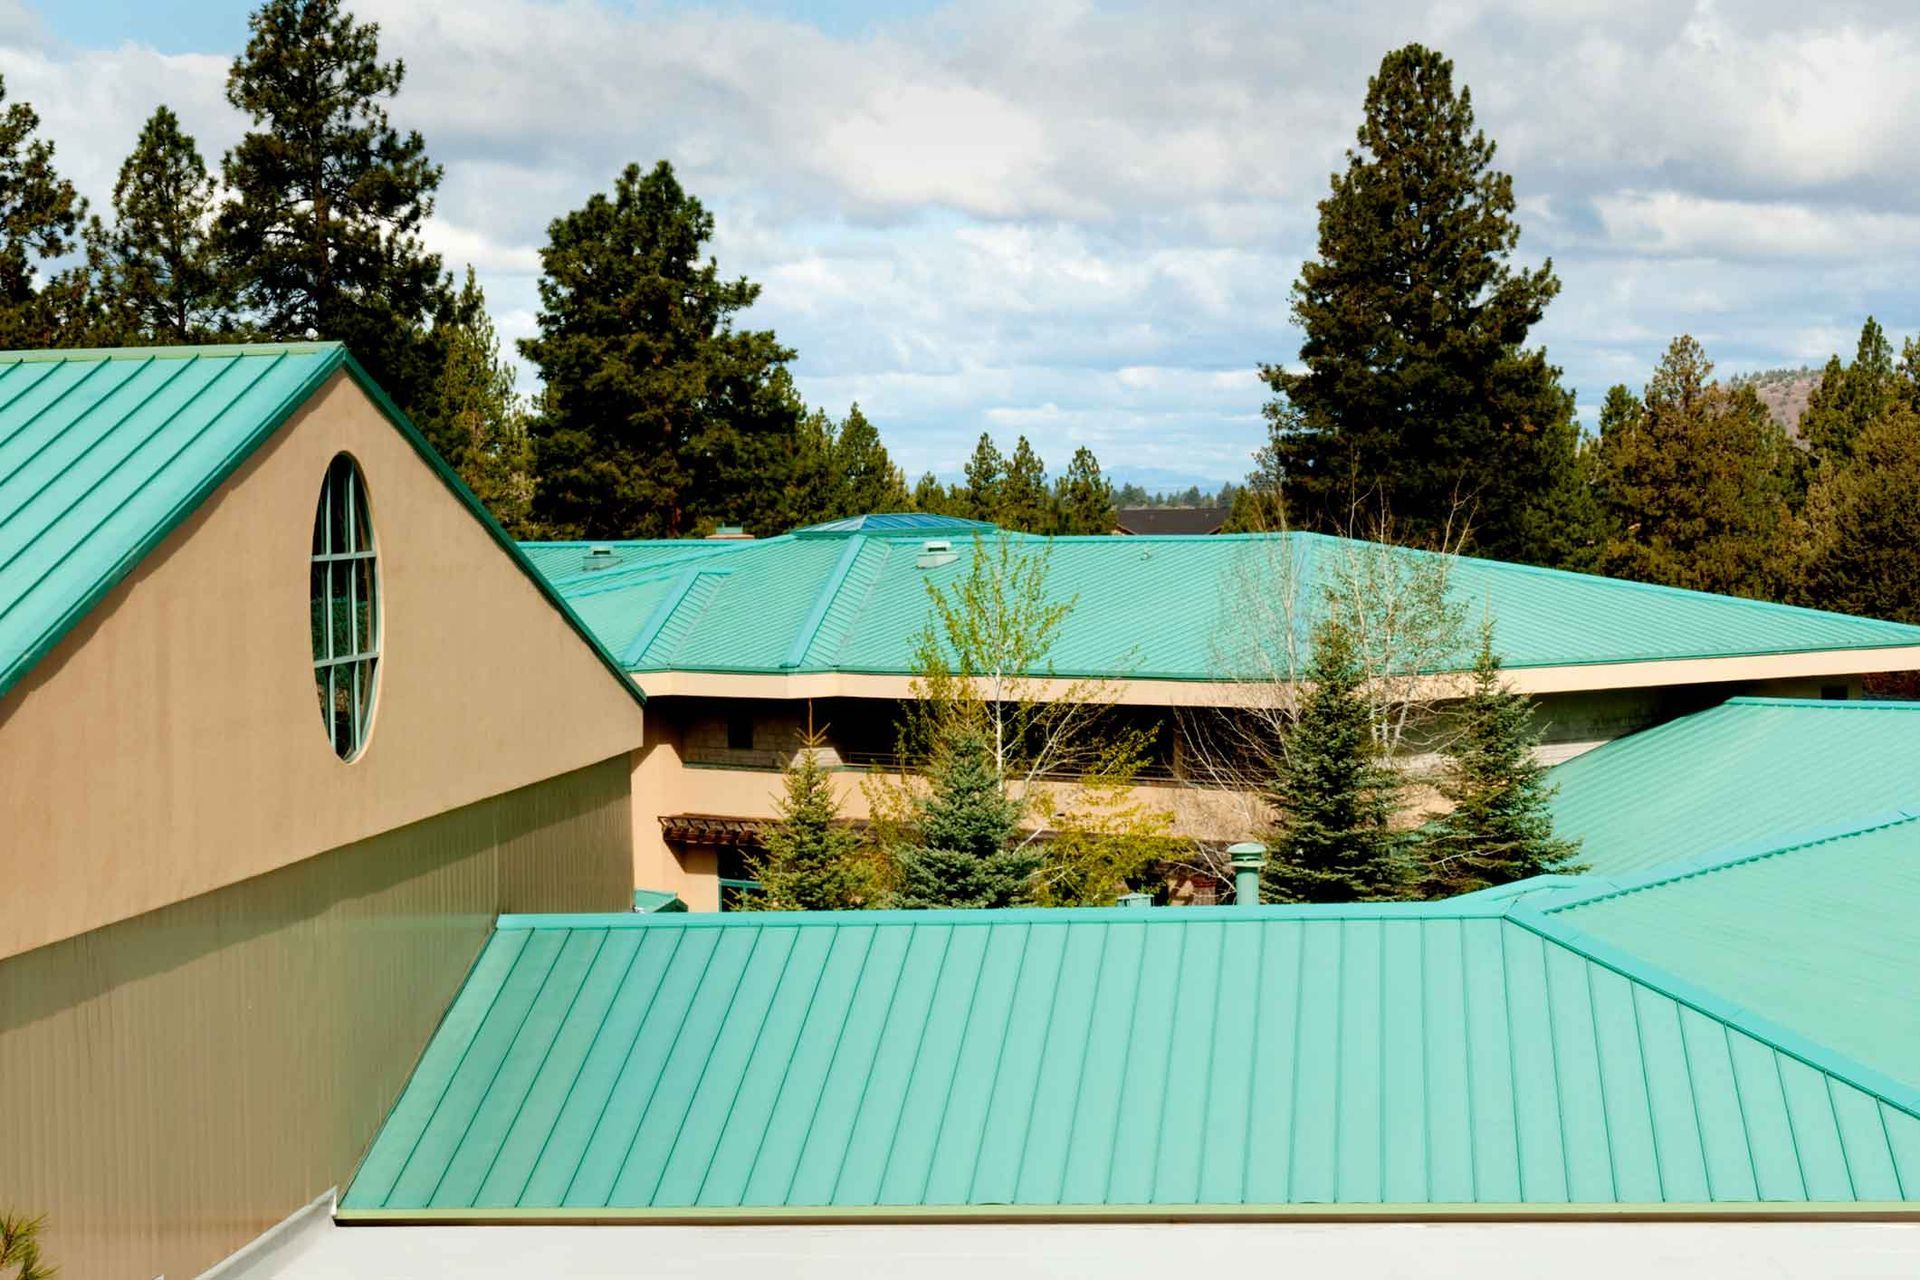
x,y
40,221
1418,394
1849,398
1084,497
322,227
1335,797
1695,481
161,274
477,421
986,480
965,856
812,859
659,416
1499,827
1862,525
1025,503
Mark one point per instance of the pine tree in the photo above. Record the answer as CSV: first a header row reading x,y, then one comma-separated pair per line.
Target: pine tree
x,y
931,496
1694,481
865,478
1025,503
41,217
161,275
1418,396
1084,497
658,415
322,229
20,1248
986,479
812,860
478,422
1499,827
1335,798
1849,398
965,855
1862,525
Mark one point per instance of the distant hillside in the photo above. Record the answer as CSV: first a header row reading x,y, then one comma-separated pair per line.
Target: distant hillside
x,y
1783,391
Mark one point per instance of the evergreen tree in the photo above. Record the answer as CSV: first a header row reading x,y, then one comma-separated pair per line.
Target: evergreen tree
x,y
1417,395
810,490
20,1248
1862,525
1335,797
986,479
812,859
1499,828
1084,497
967,822
40,221
1025,503
1568,528
1849,398
1695,483
322,228
931,496
160,273
658,414
865,478
478,423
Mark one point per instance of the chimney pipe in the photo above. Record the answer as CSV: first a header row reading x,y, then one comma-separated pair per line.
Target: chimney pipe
x,y
1247,858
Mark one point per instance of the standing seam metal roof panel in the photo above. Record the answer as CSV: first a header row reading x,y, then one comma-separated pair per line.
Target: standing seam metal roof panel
x,y
1100,1058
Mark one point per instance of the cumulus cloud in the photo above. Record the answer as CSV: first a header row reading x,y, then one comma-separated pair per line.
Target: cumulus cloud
x,y
1081,222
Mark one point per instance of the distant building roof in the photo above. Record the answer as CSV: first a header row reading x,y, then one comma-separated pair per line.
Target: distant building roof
x,y
104,453
1751,772
1170,519
1420,1059
1153,607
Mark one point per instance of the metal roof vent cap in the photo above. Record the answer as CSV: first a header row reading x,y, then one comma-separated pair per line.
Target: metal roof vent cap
x,y
1247,859
599,556
936,552
1136,900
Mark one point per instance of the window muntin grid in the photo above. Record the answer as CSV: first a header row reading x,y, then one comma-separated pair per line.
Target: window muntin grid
x,y
344,590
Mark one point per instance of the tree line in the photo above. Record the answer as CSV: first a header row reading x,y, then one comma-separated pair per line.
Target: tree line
x,y
660,414
1416,393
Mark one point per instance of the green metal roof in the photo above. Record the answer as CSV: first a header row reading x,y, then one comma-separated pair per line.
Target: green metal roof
x,y
103,454
1249,1059
851,600
1753,770
1818,935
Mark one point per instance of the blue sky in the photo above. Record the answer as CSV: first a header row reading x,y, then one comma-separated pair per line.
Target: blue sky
x,y
1080,221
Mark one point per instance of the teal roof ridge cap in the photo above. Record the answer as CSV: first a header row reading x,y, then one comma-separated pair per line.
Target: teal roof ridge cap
x,y
1820,1057
451,478
1822,704
684,581
1727,859
809,628
333,357
1440,910
173,351
601,582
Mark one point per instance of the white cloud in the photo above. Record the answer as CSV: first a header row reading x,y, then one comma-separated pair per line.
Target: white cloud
x,y
1672,222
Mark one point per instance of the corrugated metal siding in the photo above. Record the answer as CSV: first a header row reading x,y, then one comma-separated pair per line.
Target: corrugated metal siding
x,y
1751,770
1198,1057
1177,607
1818,937
176,1083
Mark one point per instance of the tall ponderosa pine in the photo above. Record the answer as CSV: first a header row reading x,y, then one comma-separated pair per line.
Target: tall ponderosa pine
x,y
864,477
986,481
1862,525
1499,828
1083,496
40,221
161,275
327,199
1335,798
1695,481
1418,395
965,855
658,416
1025,502
812,860
1849,398
477,421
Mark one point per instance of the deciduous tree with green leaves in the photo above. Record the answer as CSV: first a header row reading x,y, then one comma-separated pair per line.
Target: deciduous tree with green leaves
x,y
327,198
1498,827
161,276
812,860
1417,391
659,416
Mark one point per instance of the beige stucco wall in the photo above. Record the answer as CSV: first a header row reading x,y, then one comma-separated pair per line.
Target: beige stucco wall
x,y
172,743
173,1084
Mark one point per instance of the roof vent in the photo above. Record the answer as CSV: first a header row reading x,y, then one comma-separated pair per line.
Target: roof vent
x,y
599,556
936,552
729,533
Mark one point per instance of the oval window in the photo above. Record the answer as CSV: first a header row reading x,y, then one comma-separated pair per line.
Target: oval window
x,y
345,586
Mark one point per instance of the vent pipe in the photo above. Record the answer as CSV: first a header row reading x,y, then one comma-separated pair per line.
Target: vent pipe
x,y
1247,858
